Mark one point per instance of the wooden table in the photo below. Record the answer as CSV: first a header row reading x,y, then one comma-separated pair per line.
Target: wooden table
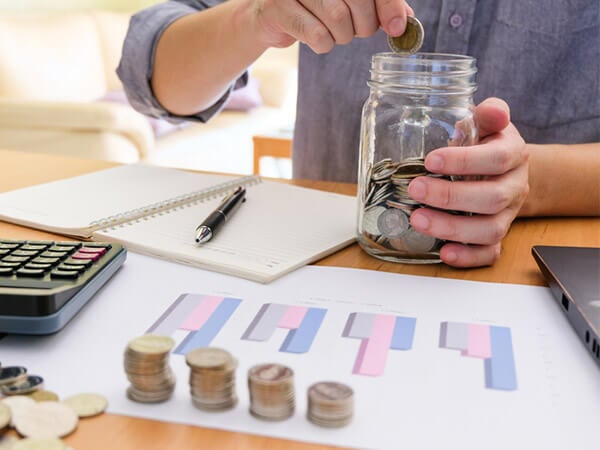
x,y
276,146
108,431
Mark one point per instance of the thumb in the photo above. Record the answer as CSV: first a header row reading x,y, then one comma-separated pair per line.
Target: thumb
x,y
491,116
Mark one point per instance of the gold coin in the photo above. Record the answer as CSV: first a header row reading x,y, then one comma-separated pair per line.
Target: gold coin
x,y
152,344
87,405
208,358
5,415
39,444
43,395
46,420
411,40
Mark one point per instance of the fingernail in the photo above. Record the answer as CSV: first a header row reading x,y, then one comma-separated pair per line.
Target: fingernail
x,y
397,26
419,221
417,189
450,257
434,163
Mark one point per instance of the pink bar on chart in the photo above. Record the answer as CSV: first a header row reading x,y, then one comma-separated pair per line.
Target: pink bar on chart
x,y
293,317
373,352
201,313
479,342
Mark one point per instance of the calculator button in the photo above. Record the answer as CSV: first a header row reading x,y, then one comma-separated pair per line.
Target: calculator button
x,y
78,262
61,248
27,253
35,273
89,256
33,247
10,264
6,270
11,244
4,251
19,259
44,243
38,266
40,260
97,250
49,254
78,269
98,245
69,274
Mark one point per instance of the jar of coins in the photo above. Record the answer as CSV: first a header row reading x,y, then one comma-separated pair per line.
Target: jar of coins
x,y
417,103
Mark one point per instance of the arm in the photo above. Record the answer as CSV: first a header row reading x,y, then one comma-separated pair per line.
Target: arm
x,y
211,48
564,180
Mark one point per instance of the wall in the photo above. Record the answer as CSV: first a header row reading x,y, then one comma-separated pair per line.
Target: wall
x,y
114,5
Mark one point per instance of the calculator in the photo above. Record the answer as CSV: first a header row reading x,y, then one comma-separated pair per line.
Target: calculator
x,y
43,284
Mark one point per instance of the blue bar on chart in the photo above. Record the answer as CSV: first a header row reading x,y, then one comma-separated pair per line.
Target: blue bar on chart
x,y
492,344
303,323
202,316
378,334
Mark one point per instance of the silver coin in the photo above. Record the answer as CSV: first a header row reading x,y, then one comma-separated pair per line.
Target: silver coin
x,y
419,243
392,223
371,219
12,375
30,384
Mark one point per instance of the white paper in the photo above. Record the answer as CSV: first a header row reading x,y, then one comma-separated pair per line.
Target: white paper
x,y
428,397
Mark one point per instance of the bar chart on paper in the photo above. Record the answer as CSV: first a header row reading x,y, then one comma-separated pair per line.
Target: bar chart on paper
x,y
201,316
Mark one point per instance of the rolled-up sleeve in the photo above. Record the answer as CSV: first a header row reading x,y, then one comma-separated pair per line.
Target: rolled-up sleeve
x,y
137,60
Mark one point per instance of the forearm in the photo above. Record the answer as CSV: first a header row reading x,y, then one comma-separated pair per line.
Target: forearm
x,y
199,55
564,180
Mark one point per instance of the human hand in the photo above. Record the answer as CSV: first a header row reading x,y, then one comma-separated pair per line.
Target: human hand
x,y
501,158
321,24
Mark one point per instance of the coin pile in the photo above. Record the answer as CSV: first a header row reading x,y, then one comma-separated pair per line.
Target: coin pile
x,y
212,378
271,391
411,40
330,404
147,366
387,209
15,381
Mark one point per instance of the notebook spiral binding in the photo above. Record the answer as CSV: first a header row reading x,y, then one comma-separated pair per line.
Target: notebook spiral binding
x,y
155,209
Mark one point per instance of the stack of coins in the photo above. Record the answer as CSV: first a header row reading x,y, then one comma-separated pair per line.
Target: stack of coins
x,y
147,367
212,378
271,391
330,404
387,209
15,381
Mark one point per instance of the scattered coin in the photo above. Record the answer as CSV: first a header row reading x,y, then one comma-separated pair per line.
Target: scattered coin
x,y
39,444
330,404
212,378
86,405
12,375
17,403
271,391
411,40
46,420
146,363
30,384
42,395
8,442
5,415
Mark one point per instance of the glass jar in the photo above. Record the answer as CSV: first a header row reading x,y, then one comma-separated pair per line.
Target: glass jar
x,y
417,104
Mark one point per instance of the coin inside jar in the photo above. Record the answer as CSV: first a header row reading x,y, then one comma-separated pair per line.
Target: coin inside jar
x,y
392,223
411,40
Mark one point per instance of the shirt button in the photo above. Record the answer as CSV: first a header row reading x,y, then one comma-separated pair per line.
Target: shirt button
x,y
456,20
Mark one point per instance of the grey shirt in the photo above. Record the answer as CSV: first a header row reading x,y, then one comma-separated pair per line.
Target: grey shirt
x,y
541,56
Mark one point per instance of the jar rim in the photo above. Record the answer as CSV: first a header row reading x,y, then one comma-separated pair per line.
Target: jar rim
x,y
425,57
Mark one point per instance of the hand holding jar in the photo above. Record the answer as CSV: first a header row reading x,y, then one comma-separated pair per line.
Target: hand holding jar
x,y
500,161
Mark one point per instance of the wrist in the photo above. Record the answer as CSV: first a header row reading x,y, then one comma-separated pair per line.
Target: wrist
x,y
245,21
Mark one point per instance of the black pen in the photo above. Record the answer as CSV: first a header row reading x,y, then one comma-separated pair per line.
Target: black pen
x,y
207,229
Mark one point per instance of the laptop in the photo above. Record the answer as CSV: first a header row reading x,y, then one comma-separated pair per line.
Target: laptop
x,y
573,275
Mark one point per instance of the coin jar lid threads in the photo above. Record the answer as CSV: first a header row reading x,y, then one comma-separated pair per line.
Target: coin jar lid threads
x,y
411,40
271,389
330,404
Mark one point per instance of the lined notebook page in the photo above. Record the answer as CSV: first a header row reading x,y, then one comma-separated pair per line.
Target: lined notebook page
x,y
69,206
279,228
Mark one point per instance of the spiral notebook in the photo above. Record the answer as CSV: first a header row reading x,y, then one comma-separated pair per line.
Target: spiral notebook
x,y
155,210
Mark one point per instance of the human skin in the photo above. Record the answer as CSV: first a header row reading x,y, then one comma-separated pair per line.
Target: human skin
x,y
212,48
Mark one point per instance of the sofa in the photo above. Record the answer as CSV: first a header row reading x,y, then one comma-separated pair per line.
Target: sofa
x,y
57,77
